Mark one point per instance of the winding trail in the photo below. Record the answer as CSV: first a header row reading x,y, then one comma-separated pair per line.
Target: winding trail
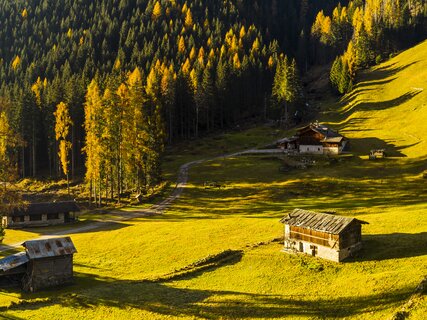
x,y
155,209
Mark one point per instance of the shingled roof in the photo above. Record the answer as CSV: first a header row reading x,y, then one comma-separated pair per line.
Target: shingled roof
x,y
47,208
317,221
329,134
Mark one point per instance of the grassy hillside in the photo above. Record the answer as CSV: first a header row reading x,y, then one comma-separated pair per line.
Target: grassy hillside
x,y
388,106
174,266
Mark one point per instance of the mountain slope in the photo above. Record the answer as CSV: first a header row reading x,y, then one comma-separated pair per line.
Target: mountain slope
x,y
388,106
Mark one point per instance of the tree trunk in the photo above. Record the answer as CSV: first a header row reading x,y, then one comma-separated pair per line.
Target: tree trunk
x,y
286,112
23,162
68,183
72,153
196,127
100,193
170,125
34,149
112,184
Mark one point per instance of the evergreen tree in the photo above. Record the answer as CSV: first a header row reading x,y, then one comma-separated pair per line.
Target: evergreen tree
x,y
336,73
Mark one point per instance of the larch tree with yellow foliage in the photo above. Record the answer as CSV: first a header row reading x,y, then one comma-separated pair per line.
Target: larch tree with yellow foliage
x,y
157,11
9,139
63,125
93,107
188,19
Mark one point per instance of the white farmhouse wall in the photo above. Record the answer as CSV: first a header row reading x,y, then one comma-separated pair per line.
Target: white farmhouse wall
x,y
331,150
332,254
311,149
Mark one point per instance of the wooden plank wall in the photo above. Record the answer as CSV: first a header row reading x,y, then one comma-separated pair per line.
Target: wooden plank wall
x,y
317,237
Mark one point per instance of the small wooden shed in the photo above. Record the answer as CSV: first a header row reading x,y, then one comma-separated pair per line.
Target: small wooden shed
x,y
322,235
50,263
45,263
41,214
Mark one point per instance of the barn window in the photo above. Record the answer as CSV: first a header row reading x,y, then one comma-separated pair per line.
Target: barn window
x,y
59,244
18,219
318,149
52,216
35,217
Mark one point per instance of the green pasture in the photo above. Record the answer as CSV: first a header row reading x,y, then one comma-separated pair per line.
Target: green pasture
x,y
120,267
388,107
155,267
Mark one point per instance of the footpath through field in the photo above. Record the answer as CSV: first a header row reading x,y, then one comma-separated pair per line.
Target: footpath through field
x,y
158,208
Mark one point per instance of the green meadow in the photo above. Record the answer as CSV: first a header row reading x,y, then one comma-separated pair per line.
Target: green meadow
x,y
216,252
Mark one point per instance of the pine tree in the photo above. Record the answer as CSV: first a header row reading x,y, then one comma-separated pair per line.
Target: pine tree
x,y
167,88
335,74
155,143
346,82
207,96
286,86
221,85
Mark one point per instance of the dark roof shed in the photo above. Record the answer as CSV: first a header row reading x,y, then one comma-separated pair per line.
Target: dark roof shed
x,y
51,247
317,221
47,208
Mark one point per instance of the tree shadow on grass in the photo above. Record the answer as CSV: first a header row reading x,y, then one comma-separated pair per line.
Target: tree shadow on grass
x,y
379,247
79,227
382,73
374,106
9,317
364,145
380,76
387,104
92,291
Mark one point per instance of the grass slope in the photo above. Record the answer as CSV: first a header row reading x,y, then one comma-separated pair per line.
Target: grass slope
x,y
388,107
123,271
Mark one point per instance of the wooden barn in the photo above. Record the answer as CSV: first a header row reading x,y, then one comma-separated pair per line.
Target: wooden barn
x,y
45,263
41,214
288,144
322,235
319,139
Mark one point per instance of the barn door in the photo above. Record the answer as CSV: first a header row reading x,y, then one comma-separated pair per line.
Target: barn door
x,y
313,250
301,247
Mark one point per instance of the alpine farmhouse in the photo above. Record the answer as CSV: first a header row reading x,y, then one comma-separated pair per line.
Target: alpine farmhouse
x,y
323,235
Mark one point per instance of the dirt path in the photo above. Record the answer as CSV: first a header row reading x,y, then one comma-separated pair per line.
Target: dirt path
x,y
158,208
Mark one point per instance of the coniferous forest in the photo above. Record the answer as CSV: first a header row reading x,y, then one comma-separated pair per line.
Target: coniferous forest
x,y
104,85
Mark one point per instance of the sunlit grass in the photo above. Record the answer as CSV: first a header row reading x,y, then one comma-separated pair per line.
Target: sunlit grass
x,y
115,262
388,107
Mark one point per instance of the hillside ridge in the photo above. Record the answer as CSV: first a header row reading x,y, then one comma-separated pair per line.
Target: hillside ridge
x,y
388,106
